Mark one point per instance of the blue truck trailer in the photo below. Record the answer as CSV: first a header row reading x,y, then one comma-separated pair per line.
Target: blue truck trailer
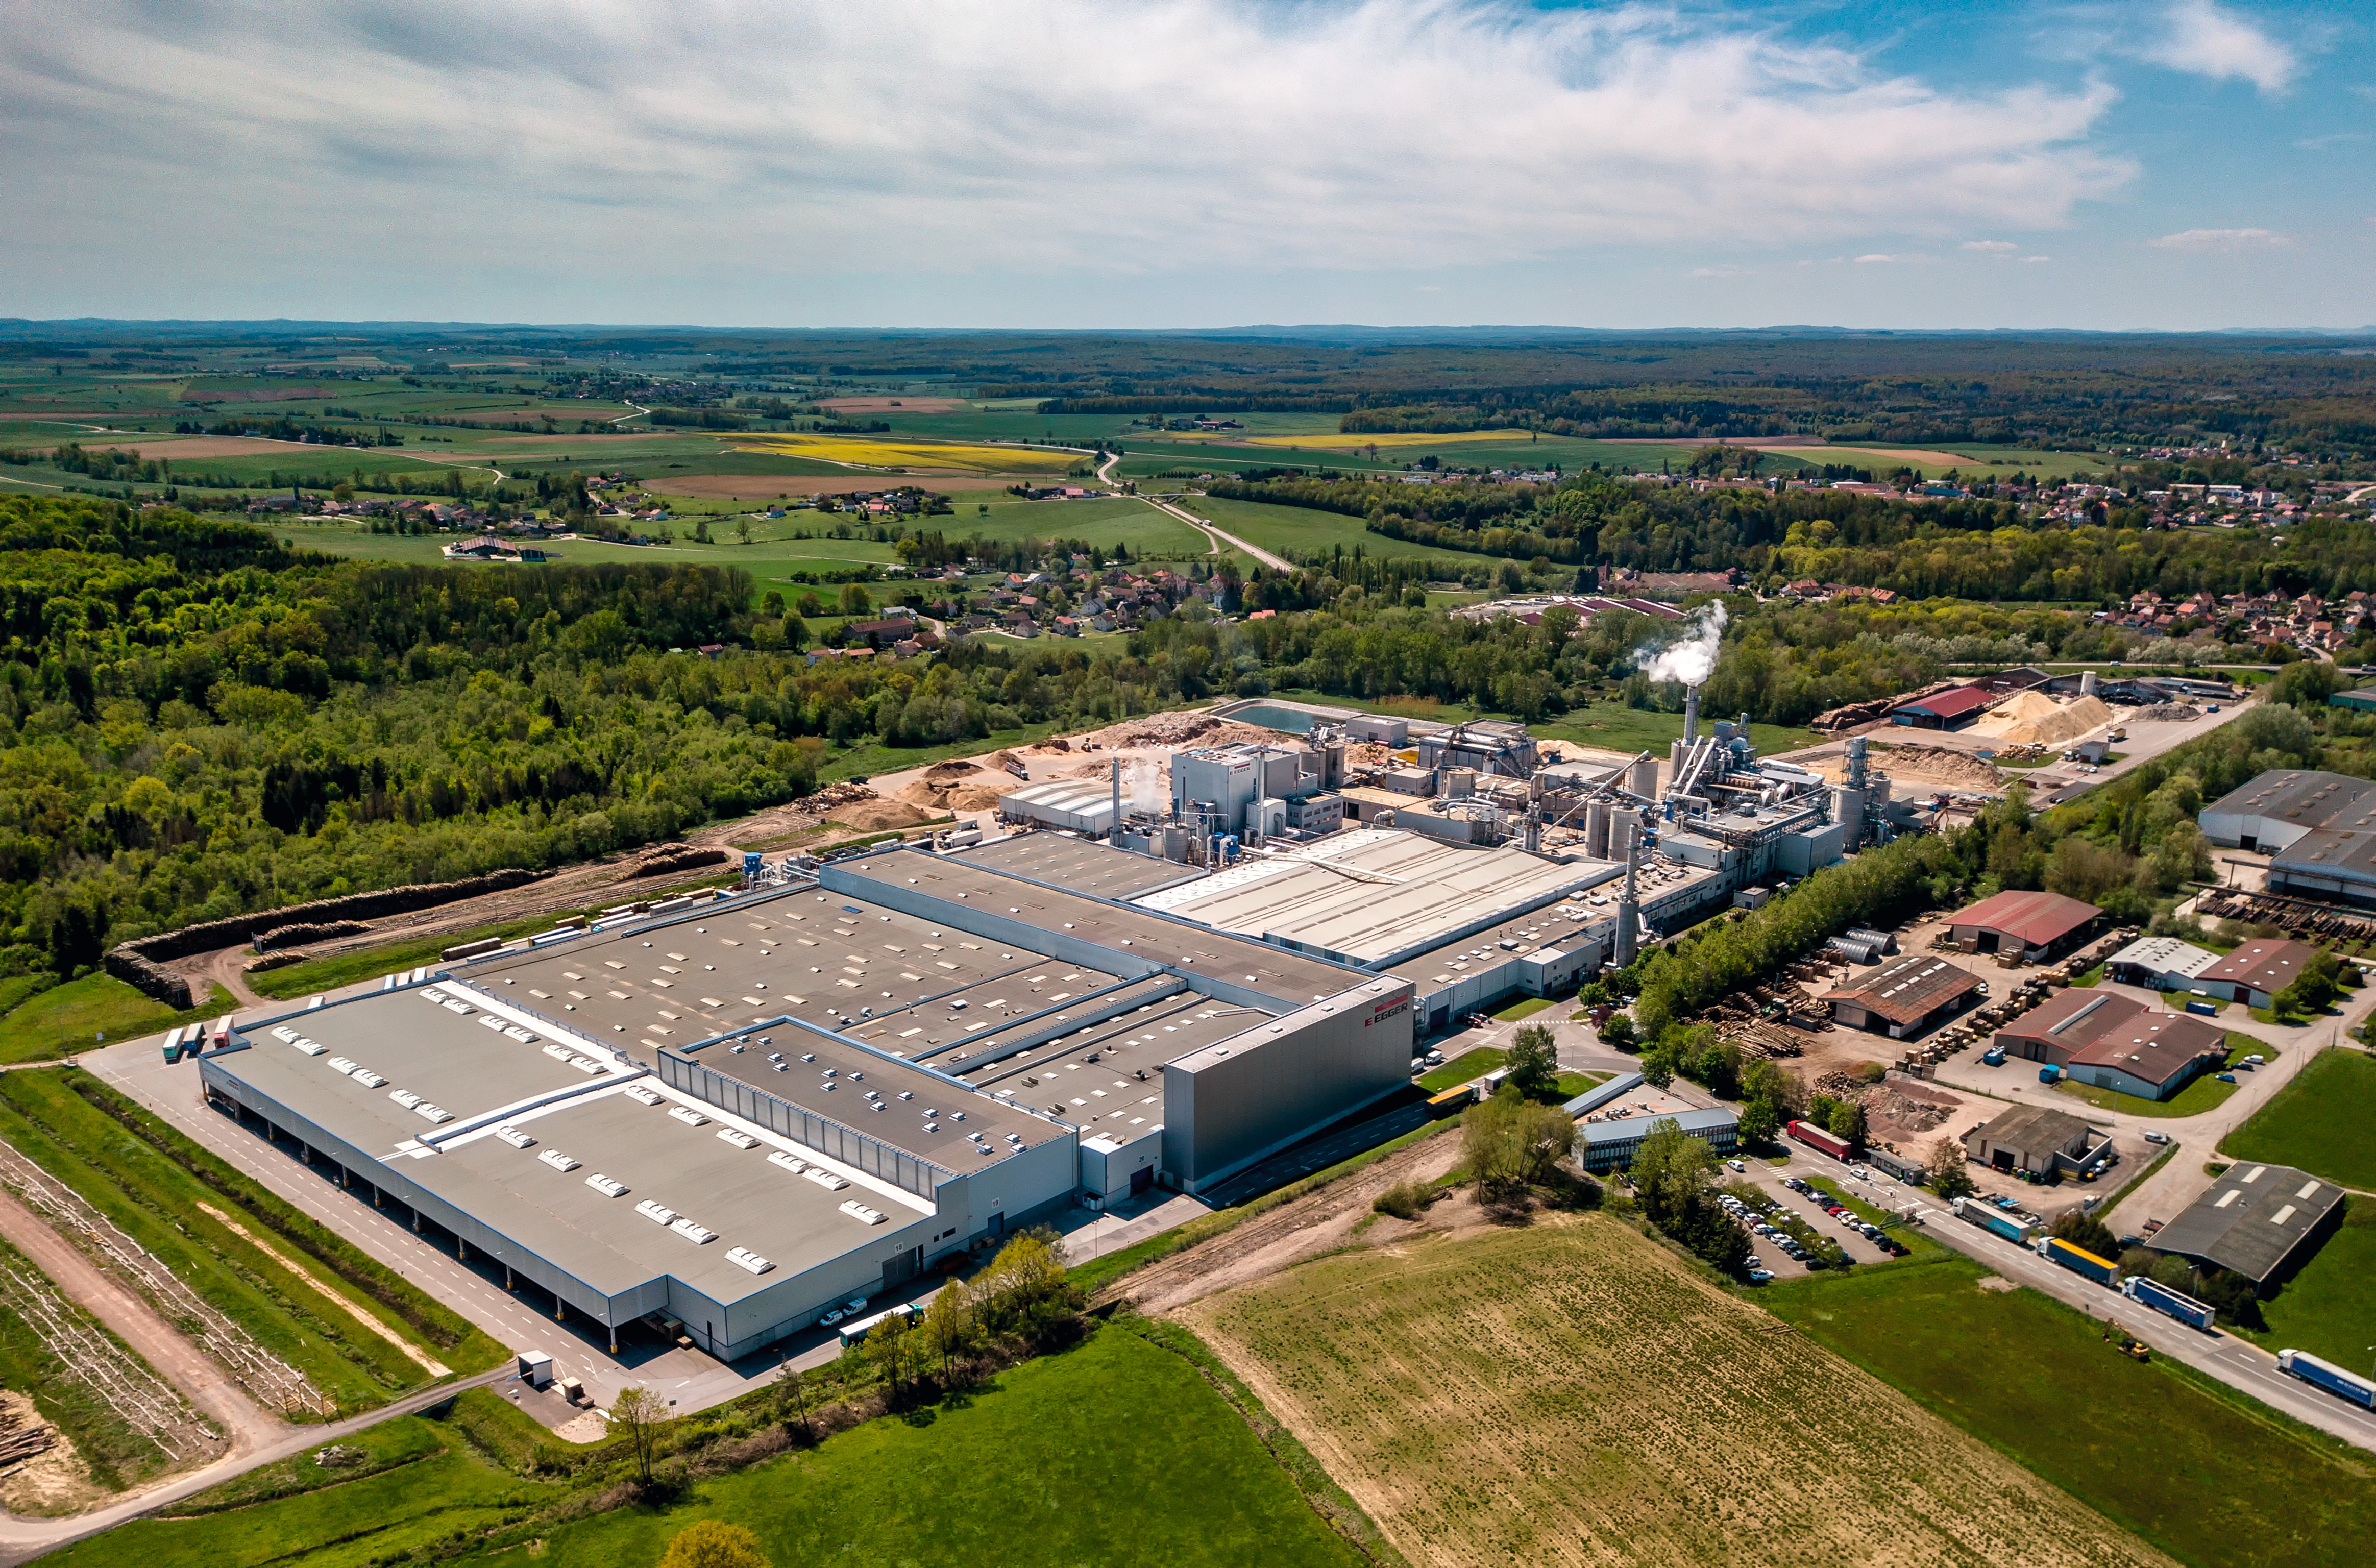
x,y
2162,1298
1989,1217
2327,1376
2078,1260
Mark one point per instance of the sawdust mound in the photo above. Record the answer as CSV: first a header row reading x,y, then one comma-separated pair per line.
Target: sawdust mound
x,y
2170,713
2033,718
878,816
1935,765
955,767
966,790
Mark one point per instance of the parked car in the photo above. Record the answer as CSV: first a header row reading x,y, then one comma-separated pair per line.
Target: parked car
x,y
2156,1138
1735,1164
1758,1276
2227,1077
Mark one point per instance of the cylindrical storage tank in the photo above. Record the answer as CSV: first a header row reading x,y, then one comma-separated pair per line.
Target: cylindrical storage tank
x,y
1848,810
1644,780
2087,682
1624,829
1596,831
1175,842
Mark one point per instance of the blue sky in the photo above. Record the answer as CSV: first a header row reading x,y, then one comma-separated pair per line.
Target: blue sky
x,y
1167,163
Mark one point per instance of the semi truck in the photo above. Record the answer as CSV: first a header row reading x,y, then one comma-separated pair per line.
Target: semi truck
x,y
1988,1217
2078,1260
1814,1137
2162,1298
2327,1376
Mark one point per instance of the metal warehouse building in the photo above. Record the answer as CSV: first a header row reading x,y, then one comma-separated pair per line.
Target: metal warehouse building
x,y
2257,1220
2279,807
741,1116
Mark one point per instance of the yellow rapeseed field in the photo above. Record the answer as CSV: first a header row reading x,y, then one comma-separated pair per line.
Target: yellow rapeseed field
x,y
887,452
1353,441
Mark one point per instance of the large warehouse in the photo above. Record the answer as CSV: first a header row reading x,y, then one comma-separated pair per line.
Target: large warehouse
x,y
739,1117
2279,807
2257,1220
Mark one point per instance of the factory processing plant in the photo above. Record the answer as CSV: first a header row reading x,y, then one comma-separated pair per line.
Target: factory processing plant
x,y
733,1118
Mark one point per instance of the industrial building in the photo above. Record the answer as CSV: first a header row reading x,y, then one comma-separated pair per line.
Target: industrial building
x,y
735,1118
2116,1042
2279,807
2256,970
2042,1142
2332,865
2040,927
1907,998
1612,1146
2262,1221
1951,709
2160,962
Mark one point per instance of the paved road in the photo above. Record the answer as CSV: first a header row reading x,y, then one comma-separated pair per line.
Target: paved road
x,y
23,1540
1219,538
2240,1365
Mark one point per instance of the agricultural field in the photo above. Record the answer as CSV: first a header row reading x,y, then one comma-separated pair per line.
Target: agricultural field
x,y
1573,1393
893,452
2201,1472
2318,1122
303,1348
81,1013
1194,1486
2326,1307
1298,532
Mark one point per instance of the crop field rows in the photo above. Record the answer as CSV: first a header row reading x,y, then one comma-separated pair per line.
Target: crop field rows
x,y
1571,1393
99,1371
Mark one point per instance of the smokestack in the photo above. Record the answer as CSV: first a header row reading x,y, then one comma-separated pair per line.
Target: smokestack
x,y
1691,714
1629,915
1114,834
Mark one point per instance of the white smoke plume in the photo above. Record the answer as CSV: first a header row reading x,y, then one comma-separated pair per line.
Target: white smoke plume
x,y
1143,786
1692,658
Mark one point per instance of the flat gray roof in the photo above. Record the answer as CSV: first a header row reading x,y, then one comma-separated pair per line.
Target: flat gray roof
x,y
1108,1078
2251,1220
1560,927
1371,893
2307,799
1080,864
814,955
2346,853
472,1072
1288,978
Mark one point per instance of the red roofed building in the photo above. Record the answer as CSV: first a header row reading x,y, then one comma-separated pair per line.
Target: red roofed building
x,y
2116,1042
1950,709
2256,971
2041,927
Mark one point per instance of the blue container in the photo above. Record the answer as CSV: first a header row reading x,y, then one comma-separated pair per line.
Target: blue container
x,y
2162,1298
2204,1008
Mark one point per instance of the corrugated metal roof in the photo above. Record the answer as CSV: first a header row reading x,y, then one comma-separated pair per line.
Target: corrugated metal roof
x,y
2038,919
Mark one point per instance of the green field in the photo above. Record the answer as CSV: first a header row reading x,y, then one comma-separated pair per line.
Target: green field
x,y
158,1205
1298,532
74,1016
2191,1466
2318,1122
1192,1486
1460,1069
2200,1095
1613,727
2326,1307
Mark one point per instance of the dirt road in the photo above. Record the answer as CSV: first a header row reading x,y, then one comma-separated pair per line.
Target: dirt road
x,y
1287,1235
134,1322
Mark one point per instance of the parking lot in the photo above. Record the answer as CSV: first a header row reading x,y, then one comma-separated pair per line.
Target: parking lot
x,y
1882,1198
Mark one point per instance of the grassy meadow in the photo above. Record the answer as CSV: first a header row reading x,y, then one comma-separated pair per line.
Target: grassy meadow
x,y
2318,1122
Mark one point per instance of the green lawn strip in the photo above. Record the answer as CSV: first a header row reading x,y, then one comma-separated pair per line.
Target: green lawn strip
x,y
1331,1502
508,1435
452,1339
1303,532
2199,1095
2318,1123
1460,1069
382,1516
2191,1466
1571,1085
16,988
1192,1485
1099,1273
1613,727
2326,1307
1919,1248
385,1447
117,1455
1525,1009
65,1018
157,1204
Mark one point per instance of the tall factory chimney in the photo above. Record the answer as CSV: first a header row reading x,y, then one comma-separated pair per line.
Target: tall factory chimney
x,y
1691,714
1113,835
1629,913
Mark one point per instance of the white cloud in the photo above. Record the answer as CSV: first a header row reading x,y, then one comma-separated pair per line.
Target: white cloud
x,y
2207,40
678,141
1991,247
2032,259
2223,240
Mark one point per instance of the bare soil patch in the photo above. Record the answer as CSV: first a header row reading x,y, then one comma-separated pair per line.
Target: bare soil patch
x,y
898,405
51,1483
